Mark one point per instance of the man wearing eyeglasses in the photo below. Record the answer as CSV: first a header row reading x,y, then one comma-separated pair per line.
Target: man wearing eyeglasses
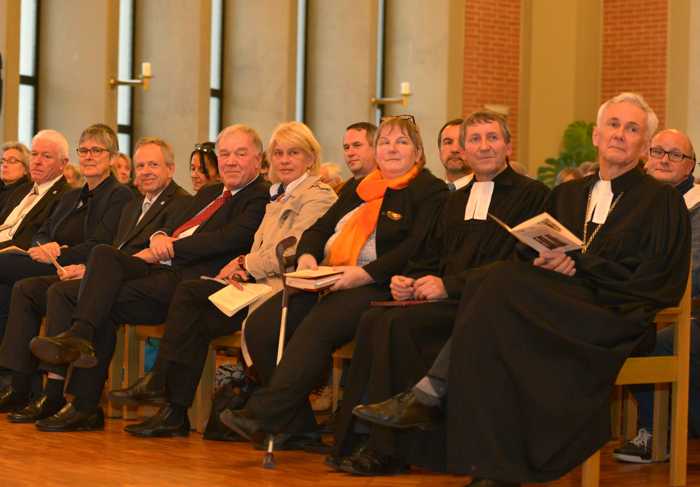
x,y
26,212
671,159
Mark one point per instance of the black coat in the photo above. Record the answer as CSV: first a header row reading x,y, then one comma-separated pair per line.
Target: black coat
x,y
99,224
397,239
36,217
227,234
23,185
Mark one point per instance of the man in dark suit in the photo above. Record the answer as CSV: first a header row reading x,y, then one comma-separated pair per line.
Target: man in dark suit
x,y
358,151
24,213
118,288
139,220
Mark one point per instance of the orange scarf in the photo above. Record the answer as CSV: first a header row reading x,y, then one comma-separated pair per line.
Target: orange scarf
x,y
347,245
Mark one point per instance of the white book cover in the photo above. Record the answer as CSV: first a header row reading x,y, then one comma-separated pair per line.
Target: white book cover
x,y
230,299
543,233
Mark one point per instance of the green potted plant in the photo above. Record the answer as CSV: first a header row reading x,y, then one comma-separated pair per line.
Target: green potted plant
x,y
577,147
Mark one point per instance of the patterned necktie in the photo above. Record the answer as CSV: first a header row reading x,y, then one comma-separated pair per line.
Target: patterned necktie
x,y
203,215
145,206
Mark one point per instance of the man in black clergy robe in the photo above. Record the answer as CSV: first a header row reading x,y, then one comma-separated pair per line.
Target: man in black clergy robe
x,y
537,347
163,200
396,345
118,288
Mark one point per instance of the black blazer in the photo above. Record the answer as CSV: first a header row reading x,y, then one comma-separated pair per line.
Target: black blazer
x,y
227,234
413,211
100,223
132,237
22,184
36,217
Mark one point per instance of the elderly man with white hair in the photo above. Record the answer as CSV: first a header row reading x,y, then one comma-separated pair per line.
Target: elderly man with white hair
x,y
26,211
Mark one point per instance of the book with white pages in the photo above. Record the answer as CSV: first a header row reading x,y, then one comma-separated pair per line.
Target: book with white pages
x,y
543,233
13,249
313,279
231,300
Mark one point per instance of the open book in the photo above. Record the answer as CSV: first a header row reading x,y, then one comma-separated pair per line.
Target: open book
x,y
312,280
543,233
230,299
13,249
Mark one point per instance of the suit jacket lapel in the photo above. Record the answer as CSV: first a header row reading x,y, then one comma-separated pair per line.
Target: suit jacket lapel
x,y
53,193
157,206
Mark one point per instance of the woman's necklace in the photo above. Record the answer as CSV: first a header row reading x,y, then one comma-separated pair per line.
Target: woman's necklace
x,y
587,241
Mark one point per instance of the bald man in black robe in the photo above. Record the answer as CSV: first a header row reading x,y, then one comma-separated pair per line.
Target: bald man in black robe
x,y
536,349
395,346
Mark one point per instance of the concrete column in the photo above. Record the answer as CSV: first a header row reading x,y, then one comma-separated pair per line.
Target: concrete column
x,y
175,37
424,46
259,64
78,53
9,47
340,70
560,81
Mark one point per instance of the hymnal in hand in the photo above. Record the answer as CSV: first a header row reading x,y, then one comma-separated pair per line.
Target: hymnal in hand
x,y
13,249
230,299
312,279
543,233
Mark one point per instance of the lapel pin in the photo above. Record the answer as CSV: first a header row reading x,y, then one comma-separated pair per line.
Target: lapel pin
x,y
393,215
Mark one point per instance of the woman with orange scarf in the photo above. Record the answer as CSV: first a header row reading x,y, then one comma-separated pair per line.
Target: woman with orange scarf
x,y
369,234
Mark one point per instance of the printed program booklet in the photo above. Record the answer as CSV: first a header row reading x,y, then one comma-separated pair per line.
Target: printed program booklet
x,y
231,300
543,233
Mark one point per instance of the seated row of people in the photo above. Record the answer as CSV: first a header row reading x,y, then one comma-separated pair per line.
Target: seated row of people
x,y
529,344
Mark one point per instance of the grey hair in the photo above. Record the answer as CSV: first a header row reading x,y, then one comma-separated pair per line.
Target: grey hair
x,y
637,100
57,138
21,148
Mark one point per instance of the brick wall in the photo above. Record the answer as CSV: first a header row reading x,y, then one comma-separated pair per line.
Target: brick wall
x,y
634,50
492,56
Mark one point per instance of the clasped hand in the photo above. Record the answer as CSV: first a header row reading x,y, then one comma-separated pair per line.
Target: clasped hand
x,y
70,272
424,288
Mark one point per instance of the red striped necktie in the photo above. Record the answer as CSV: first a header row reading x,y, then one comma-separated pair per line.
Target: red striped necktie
x,y
203,215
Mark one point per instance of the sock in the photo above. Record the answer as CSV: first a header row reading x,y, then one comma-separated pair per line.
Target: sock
x,y
83,329
178,414
430,391
54,390
21,386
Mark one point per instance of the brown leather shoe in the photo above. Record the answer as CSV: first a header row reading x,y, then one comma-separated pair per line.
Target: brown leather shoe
x,y
65,348
401,411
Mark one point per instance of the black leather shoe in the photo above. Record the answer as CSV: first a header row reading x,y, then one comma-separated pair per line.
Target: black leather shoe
x,y
149,389
163,424
400,411
70,419
38,409
242,422
66,348
9,402
477,482
368,462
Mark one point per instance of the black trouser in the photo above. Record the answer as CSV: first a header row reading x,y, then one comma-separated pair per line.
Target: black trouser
x,y
13,268
314,330
116,289
28,307
192,323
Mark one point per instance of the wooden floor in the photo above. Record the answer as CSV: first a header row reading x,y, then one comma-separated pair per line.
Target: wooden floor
x,y
113,458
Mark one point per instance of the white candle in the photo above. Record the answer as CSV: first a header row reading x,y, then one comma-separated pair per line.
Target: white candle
x,y
146,70
405,88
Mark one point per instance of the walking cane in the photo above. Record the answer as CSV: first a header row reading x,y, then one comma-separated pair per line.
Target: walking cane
x,y
269,459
